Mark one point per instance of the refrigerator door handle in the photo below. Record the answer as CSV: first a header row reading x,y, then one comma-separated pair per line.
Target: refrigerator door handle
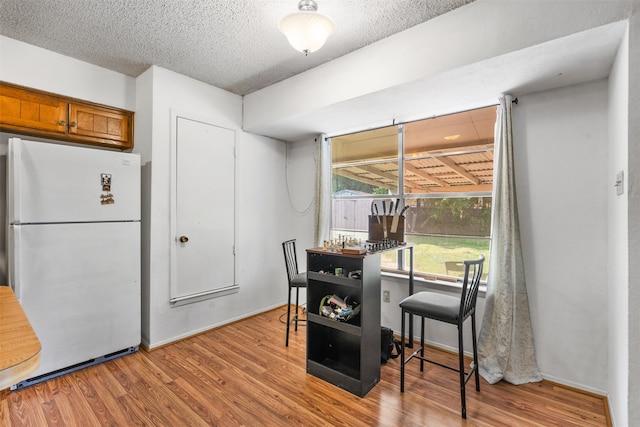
x,y
14,162
13,259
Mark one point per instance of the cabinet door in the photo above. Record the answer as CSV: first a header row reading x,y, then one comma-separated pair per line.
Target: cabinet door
x,y
101,125
22,110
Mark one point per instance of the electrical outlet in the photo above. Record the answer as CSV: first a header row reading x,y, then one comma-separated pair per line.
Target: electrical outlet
x,y
386,296
619,183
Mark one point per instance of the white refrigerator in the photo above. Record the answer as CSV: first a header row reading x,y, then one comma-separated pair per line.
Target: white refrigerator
x,y
73,254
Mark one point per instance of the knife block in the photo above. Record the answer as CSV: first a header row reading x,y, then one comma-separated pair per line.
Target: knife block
x,y
376,231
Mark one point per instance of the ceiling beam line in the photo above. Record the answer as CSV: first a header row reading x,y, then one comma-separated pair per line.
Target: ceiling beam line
x,y
387,175
375,171
364,180
458,169
482,188
424,174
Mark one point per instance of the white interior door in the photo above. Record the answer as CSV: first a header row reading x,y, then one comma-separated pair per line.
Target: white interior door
x,y
204,211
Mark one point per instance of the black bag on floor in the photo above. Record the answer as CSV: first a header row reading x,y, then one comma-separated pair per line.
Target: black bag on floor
x,y
387,344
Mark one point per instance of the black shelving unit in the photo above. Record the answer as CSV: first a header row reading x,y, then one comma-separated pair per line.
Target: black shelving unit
x,y
346,354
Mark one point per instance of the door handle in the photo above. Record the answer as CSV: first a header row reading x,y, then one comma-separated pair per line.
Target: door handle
x,y
184,239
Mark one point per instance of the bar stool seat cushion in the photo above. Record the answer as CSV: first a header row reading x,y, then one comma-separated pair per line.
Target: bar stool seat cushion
x,y
433,305
299,280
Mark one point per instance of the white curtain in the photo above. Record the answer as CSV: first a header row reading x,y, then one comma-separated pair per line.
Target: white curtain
x,y
505,343
323,190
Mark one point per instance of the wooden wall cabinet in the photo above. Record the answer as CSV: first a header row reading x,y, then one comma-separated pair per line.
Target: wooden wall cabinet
x,y
346,354
46,115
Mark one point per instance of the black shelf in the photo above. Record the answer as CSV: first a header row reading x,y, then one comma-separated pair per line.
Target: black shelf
x,y
338,280
347,327
346,354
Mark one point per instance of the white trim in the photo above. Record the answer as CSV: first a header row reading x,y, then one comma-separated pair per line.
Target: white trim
x,y
201,296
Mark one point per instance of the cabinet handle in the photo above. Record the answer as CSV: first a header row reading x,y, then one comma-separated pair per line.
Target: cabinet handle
x,y
62,123
73,124
184,239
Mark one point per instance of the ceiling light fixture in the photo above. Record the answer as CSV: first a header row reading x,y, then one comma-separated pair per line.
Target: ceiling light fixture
x,y
307,30
452,137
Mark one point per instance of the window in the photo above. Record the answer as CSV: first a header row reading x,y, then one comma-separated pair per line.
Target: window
x,y
441,167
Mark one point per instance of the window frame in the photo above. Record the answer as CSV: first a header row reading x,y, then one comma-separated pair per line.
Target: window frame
x,y
401,159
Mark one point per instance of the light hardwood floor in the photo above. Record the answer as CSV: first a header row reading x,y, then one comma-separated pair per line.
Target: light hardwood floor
x,y
242,374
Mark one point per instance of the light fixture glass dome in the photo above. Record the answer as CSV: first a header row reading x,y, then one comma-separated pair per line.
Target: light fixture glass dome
x,y
307,30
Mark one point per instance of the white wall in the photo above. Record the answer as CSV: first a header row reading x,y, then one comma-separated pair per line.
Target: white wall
x,y
144,133
261,198
618,259
38,68
633,398
560,152
301,173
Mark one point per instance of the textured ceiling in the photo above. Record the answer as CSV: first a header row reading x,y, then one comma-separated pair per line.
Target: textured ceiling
x,y
231,44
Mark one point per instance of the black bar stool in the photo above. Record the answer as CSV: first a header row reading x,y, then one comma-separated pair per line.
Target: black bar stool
x,y
449,309
296,280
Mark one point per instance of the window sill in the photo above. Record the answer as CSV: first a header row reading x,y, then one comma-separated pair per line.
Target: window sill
x,y
421,283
